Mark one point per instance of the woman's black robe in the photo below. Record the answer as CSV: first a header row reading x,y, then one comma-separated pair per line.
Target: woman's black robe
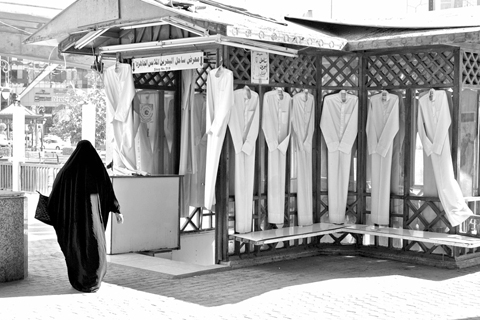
x,y
80,232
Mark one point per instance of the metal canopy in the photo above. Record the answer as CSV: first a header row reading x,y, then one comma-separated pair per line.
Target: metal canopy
x,y
460,28
18,21
106,27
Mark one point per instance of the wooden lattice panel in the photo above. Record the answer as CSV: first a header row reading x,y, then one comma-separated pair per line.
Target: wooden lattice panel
x,y
340,71
471,68
154,79
240,64
202,74
299,71
407,69
417,220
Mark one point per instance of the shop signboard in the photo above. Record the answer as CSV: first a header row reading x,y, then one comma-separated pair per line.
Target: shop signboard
x,y
182,61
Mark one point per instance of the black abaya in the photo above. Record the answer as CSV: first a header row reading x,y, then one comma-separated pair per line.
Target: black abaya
x,y
81,230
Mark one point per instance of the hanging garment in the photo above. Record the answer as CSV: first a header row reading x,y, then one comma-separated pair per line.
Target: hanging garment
x,y
219,105
82,197
276,125
339,123
168,133
433,123
186,145
148,136
303,127
197,178
244,125
120,91
382,126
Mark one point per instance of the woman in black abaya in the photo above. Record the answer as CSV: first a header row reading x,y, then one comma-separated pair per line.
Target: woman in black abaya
x,y
81,199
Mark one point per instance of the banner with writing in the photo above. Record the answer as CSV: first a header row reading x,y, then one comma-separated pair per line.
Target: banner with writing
x,y
260,67
180,61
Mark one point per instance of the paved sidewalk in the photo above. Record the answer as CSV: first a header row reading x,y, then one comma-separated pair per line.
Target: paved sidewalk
x,y
322,287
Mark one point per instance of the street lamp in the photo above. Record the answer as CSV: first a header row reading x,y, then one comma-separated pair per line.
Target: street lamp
x,y
5,68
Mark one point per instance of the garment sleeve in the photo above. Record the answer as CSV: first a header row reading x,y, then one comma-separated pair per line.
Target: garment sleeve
x,y
370,130
218,115
307,144
427,144
234,126
268,124
328,128
249,144
444,122
284,144
210,103
127,94
350,133
169,125
389,131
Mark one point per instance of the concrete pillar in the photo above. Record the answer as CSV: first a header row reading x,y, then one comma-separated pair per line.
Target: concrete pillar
x,y
18,144
88,122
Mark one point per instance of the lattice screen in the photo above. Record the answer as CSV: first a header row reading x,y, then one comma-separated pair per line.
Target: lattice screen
x,y
283,70
340,71
406,69
202,74
299,71
470,68
155,79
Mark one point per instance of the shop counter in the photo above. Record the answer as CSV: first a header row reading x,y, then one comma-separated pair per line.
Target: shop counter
x,y
151,208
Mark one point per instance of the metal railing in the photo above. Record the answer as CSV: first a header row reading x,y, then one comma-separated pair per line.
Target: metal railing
x,y
6,174
33,176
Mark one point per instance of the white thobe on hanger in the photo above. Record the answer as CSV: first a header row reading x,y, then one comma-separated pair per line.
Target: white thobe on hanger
x,y
303,123
168,132
197,181
276,127
244,125
382,126
120,91
219,104
148,134
433,123
339,124
186,145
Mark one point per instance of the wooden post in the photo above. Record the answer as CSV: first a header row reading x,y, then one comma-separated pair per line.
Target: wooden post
x,y
221,192
317,145
362,139
407,158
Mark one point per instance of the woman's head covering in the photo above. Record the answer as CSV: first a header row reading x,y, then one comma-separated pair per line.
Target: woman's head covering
x,y
82,175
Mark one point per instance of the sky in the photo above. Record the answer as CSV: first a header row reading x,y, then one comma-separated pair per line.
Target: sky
x,y
333,9
336,9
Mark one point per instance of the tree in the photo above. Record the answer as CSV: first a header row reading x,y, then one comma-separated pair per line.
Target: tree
x,y
67,121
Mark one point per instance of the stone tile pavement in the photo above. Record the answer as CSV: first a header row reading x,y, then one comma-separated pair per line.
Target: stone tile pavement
x,y
321,287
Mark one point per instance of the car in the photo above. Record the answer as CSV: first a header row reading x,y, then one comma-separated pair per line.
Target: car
x,y
4,142
54,143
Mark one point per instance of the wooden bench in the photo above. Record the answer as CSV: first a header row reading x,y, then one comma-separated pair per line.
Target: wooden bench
x,y
292,233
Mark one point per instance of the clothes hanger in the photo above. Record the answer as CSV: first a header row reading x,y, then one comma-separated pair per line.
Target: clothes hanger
x,y
431,92
220,67
280,92
247,90
117,59
343,95
305,91
384,95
